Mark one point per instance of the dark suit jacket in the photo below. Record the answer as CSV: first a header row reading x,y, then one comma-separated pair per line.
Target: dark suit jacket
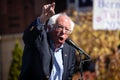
x,y
37,57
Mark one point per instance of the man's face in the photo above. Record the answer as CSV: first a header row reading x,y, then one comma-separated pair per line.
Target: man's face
x,y
61,30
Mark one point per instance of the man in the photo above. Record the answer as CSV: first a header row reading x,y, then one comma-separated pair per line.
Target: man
x,y
46,54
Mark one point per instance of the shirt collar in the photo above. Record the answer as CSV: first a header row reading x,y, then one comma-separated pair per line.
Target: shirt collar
x,y
53,47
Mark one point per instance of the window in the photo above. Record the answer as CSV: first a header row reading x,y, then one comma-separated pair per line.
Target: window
x,y
85,3
13,21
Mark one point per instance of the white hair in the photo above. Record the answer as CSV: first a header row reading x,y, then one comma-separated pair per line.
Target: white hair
x,y
53,19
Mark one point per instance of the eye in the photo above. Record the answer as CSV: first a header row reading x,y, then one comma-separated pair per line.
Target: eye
x,y
60,27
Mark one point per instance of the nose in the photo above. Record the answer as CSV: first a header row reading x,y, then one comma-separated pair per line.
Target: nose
x,y
63,30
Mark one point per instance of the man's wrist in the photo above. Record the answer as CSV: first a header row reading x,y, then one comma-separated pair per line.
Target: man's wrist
x,y
40,25
42,19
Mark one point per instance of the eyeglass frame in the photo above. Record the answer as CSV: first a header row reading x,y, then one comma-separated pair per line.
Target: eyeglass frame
x,y
60,28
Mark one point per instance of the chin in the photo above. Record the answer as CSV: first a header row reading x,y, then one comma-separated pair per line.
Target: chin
x,y
61,41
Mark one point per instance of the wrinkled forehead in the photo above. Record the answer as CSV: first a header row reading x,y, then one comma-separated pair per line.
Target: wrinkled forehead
x,y
63,18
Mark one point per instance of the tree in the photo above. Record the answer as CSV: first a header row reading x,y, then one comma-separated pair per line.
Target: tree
x,y
14,70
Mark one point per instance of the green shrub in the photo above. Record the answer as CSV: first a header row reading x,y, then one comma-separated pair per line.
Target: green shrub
x,y
16,62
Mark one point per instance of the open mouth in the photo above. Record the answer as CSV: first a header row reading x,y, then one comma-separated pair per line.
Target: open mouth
x,y
61,38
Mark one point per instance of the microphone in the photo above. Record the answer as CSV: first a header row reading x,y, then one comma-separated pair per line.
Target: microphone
x,y
70,42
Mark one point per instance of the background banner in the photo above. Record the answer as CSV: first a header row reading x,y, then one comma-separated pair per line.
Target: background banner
x,y
106,14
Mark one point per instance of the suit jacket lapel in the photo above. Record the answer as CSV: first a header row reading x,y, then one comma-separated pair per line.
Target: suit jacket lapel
x,y
65,58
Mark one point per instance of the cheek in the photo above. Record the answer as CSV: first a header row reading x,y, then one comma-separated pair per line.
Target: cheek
x,y
57,33
65,37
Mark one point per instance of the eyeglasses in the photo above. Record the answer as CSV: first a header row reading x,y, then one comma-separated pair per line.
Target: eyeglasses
x,y
61,28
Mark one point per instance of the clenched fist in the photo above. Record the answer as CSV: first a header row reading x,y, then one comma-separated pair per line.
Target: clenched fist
x,y
47,12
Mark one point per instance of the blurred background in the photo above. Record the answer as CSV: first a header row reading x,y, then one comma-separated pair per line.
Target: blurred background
x,y
103,46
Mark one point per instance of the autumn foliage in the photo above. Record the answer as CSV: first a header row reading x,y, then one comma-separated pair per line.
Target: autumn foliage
x,y
101,45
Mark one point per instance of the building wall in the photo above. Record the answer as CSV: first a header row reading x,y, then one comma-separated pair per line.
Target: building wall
x,y
7,43
15,15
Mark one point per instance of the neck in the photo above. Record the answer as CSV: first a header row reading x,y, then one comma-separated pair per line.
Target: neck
x,y
57,45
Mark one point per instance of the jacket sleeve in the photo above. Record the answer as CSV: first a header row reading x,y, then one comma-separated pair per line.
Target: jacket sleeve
x,y
31,33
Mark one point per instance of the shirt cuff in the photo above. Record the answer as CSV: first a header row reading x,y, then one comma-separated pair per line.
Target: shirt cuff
x,y
39,25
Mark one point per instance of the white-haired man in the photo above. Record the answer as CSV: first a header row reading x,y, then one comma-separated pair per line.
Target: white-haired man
x,y
46,54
